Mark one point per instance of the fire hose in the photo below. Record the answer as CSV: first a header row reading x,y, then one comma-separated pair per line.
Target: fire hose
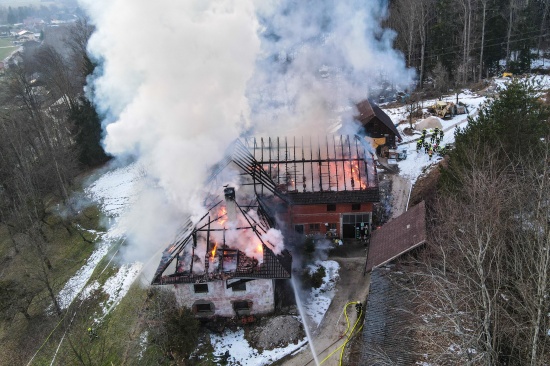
x,y
349,336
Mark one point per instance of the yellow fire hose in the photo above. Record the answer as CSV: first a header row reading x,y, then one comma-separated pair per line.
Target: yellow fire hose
x,y
343,346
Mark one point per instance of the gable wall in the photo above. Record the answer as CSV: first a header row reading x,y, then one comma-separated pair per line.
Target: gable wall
x,y
260,292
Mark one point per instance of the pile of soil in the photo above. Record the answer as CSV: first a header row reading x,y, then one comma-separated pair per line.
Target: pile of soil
x,y
276,332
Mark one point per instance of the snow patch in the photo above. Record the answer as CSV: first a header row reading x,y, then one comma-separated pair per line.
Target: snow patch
x,y
241,353
319,299
118,285
77,282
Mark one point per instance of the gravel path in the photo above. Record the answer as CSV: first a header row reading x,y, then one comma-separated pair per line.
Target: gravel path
x,y
352,286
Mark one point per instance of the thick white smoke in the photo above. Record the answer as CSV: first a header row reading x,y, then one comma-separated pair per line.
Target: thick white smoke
x,y
180,80
319,58
173,82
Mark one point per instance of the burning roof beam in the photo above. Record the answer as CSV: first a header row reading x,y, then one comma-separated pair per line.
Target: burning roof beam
x,y
344,166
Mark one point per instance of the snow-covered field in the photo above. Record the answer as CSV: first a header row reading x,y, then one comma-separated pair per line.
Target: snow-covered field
x,y
113,191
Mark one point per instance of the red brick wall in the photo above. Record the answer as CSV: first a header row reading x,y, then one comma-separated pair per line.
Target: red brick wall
x,y
318,214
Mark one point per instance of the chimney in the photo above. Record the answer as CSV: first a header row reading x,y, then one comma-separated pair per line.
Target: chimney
x,y
230,203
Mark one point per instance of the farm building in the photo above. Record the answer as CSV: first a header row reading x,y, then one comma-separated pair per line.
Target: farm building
x,y
377,124
226,264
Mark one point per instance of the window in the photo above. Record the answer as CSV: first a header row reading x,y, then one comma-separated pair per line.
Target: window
x,y
203,308
240,286
201,288
355,206
315,227
332,226
331,207
241,305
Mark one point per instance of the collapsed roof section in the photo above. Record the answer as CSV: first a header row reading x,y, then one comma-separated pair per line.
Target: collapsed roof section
x,y
229,242
328,169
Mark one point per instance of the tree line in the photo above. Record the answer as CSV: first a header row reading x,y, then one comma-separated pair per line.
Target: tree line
x,y
50,134
463,41
485,282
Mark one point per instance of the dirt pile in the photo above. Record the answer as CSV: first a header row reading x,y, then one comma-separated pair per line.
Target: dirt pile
x,y
277,332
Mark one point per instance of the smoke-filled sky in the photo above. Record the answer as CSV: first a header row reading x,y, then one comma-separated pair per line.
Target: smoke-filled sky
x,y
180,80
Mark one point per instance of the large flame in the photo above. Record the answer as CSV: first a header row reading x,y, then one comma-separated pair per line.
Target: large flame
x,y
213,252
222,214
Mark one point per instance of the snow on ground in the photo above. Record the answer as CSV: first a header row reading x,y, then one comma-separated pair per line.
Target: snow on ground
x,y
76,283
113,191
118,285
316,306
243,354
319,299
418,163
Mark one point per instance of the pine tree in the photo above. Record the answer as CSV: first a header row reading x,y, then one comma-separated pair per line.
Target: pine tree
x,y
513,123
88,134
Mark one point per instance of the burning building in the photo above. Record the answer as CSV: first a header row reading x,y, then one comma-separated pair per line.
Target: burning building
x,y
225,263
328,184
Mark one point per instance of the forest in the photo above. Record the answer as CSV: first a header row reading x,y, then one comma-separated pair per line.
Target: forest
x,y
455,42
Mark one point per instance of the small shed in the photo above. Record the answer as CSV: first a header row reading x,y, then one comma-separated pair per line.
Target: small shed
x,y
377,123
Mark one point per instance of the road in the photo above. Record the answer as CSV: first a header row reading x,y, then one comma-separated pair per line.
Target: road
x,y
400,192
352,286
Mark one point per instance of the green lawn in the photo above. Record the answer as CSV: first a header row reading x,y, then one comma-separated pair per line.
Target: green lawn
x,y
6,47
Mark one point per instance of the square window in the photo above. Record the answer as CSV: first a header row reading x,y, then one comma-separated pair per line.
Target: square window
x,y
241,286
331,207
332,226
201,288
355,206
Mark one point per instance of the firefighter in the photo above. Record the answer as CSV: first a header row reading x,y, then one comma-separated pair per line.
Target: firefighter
x,y
424,133
92,333
419,145
358,308
430,153
441,134
432,138
426,147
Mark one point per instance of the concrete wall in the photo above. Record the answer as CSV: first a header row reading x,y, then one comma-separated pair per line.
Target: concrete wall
x,y
259,293
318,214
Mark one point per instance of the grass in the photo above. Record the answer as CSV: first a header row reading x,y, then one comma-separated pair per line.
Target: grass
x,y
67,252
6,47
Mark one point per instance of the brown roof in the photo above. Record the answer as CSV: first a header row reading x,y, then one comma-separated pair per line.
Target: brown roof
x,y
365,111
397,237
370,112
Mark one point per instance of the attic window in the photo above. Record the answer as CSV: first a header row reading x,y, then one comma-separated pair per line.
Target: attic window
x,y
331,207
201,288
355,206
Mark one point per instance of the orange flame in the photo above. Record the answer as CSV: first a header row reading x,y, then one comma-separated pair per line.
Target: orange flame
x,y
222,214
213,252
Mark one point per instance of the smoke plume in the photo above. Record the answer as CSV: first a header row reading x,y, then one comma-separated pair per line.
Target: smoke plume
x,y
180,80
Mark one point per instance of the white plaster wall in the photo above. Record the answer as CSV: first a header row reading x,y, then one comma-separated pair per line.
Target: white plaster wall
x,y
260,292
